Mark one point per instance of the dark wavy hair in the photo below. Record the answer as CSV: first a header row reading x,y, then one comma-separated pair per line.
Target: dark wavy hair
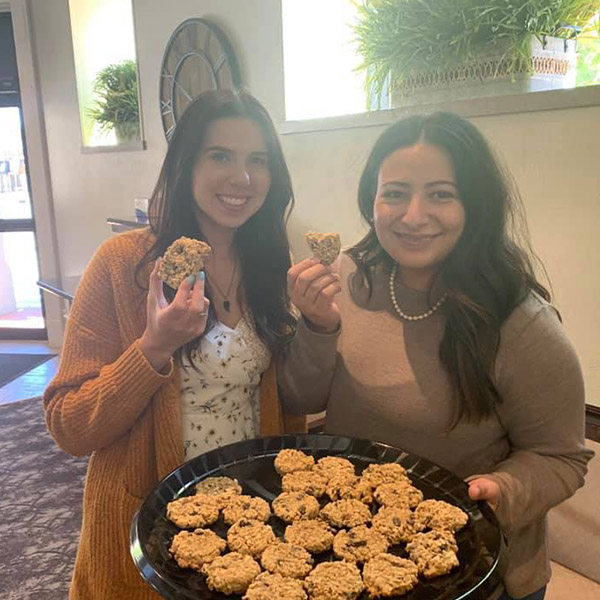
x,y
261,242
490,270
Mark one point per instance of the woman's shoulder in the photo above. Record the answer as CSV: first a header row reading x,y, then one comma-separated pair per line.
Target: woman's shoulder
x,y
127,247
534,316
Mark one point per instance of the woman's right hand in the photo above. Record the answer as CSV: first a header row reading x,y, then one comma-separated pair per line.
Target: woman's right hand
x,y
170,326
312,288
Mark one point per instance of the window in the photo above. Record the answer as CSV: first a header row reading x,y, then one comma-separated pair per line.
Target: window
x,y
106,71
321,60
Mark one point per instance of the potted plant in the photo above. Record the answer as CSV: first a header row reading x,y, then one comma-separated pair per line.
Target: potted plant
x,y
448,45
117,107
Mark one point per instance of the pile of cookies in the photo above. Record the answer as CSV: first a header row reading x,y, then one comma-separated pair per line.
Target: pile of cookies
x,y
366,516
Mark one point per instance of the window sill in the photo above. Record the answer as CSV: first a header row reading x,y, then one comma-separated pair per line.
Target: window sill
x,y
477,107
128,147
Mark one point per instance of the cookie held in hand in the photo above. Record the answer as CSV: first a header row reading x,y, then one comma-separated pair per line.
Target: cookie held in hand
x,y
184,257
325,246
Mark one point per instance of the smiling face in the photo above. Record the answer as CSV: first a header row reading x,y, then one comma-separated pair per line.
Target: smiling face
x,y
231,177
417,214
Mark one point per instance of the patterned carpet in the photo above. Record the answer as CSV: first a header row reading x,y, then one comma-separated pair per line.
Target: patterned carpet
x,y
40,506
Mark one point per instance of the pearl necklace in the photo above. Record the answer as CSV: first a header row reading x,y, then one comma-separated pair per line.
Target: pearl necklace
x,y
400,312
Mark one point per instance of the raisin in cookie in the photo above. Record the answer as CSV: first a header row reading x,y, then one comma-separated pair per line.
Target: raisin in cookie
x,y
437,514
388,575
346,513
395,523
232,573
193,549
248,536
304,481
193,511
293,506
290,460
272,586
433,552
325,246
337,580
313,535
184,257
360,544
287,560
246,507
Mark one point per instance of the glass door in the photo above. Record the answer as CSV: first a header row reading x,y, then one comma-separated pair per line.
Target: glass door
x,y
21,311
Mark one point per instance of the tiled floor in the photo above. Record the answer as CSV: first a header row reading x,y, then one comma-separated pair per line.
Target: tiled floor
x,y
35,381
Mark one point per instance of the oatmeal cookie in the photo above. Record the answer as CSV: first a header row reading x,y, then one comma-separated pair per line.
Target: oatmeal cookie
x,y
395,523
193,511
246,507
347,486
388,575
193,549
184,257
248,536
287,560
433,552
220,488
437,514
294,506
325,246
337,580
378,474
346,513
313,535
231,574
360,544
272,586
290,460
329,466
398,493
304,481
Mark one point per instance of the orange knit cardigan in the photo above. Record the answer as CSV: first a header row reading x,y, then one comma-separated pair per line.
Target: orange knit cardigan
x,y
107,401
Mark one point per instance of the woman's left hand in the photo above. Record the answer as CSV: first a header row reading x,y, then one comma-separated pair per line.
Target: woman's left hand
x,y
485,489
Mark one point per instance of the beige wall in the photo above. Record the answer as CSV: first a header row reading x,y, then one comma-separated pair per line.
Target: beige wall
x,y
553,155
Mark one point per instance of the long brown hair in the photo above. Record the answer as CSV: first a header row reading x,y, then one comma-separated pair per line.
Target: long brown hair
x,y
261,242
490,270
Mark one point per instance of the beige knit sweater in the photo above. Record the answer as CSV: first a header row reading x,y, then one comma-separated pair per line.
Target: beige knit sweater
x,y
107,401
380,378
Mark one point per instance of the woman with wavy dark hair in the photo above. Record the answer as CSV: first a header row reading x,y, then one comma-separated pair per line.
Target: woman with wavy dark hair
x,y
434,334
150,376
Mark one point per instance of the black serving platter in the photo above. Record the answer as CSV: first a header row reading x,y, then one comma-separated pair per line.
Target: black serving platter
x,y
481,553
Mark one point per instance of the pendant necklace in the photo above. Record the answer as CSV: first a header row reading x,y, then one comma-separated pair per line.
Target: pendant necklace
x,y
225,296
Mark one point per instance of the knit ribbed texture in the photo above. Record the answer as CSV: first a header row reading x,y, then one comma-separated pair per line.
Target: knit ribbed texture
x,y
106,400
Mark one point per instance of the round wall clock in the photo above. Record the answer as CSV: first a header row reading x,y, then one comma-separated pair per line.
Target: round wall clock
x,y
198,57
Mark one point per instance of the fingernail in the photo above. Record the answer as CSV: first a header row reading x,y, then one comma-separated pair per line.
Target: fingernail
x,y
191,279
201,275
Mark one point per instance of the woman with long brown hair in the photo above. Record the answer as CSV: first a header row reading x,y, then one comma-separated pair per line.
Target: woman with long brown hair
x,y
150,376
434,334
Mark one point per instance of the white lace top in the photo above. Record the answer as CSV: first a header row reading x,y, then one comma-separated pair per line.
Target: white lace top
x,y
220,402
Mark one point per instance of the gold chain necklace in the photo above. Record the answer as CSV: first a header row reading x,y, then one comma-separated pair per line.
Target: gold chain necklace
x,y
400,312
226,302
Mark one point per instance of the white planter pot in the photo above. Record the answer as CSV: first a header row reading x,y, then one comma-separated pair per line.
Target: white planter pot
x,y
553,67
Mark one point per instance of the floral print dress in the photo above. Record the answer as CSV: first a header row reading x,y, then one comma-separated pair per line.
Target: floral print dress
x,y
220,401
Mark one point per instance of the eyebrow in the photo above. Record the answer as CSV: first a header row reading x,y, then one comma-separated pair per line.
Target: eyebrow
x,y
441,182
223,149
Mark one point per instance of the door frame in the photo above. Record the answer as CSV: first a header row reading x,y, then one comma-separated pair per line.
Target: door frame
x,y
40,182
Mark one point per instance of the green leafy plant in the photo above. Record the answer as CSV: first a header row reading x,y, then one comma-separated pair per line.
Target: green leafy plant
x,y
116,106
398,37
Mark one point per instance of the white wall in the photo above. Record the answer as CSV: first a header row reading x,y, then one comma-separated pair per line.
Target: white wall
x,y
553,155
